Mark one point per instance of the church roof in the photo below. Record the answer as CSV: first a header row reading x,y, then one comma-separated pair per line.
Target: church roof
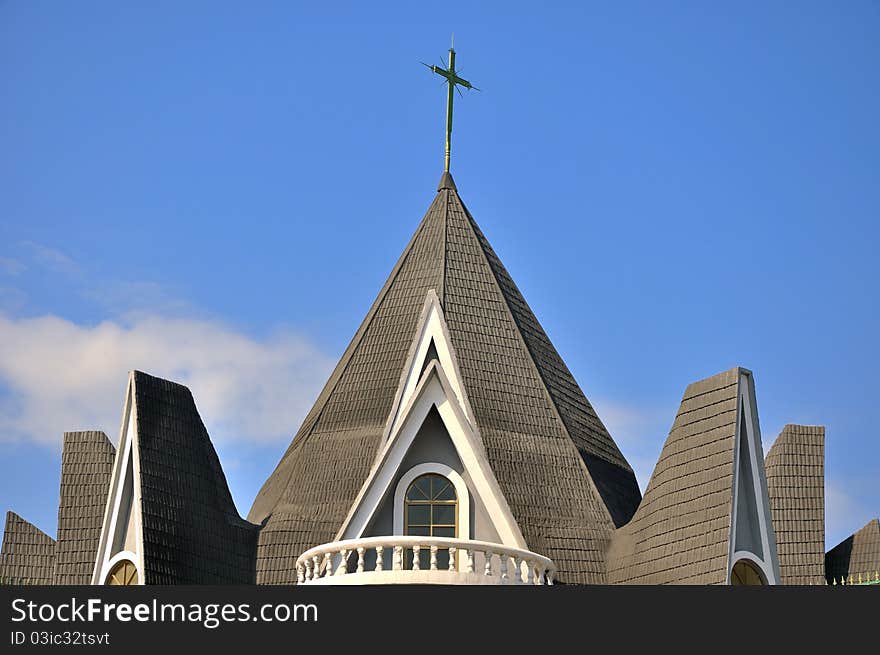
x,y
681,530
795,469
192,533
86,468
27,555
566,481
858,554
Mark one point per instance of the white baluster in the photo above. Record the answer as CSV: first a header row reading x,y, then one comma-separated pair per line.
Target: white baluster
x,y
452,551
379,561
325,567
470,559
417,565
433,558
517,570
308,569
530,572
489,556
397,562
360,568
316,563
342,569
300,576
504,576
550,577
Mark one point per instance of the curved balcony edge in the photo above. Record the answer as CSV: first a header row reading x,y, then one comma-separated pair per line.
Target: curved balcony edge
x,y
397,559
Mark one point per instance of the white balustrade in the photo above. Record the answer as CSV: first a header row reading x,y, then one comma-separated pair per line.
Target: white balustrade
x,y
470,562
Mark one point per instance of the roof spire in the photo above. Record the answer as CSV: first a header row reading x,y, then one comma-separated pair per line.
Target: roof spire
x,y
452,80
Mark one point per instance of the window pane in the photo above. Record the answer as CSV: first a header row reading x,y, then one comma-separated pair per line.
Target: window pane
x,y
419,515
423,484
416,492
444,491
444,515
444,532
418,531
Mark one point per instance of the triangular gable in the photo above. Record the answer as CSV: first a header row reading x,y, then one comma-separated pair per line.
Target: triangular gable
x,y
434,389
751,529
431,341
122,530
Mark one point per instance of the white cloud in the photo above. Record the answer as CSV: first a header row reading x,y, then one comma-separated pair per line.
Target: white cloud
x,y
50,258
56,375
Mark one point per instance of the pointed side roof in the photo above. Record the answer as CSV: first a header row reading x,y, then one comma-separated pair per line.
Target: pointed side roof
x,y
565,479
86,467
27,555
795,469
192,533
680,533
856,555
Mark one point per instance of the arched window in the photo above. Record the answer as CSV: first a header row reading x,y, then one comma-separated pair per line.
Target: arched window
x,y
124,573
746,573
430,510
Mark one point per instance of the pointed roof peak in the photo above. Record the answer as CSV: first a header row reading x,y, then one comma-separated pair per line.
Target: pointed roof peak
x,y
446,182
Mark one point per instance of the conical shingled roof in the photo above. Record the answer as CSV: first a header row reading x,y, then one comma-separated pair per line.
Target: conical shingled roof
x,y
566,481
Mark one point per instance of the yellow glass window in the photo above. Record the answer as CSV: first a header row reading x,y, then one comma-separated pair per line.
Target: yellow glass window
x,y
124,573
746,573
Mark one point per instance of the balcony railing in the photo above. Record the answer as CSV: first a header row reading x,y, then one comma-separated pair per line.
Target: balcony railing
x,y
414,560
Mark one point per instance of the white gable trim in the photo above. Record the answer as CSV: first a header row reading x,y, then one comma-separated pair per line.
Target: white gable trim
x,y
431,327
127,462
461,492
434,390
748,434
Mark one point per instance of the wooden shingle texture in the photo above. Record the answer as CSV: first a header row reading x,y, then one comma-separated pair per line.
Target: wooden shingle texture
x,y
563,476
858,554
86,468
192,532
795,467
681,531
27,556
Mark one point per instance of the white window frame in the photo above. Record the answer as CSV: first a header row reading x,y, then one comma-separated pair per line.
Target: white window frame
x,y
461,492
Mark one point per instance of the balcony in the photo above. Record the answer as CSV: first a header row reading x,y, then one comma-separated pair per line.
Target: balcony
x,y
414,560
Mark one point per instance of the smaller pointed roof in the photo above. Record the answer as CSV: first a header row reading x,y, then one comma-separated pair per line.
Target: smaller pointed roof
x,y
680,533
28,554
192,532
858,554
795,468
86,468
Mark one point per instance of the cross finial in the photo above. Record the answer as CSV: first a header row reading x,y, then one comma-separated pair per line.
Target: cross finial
x,y
452,80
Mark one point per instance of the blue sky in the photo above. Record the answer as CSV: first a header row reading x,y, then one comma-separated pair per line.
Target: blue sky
x,y
215,192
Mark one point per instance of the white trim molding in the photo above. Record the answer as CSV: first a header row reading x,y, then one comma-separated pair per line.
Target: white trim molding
x,y
123,500
431,328
750,501
461,492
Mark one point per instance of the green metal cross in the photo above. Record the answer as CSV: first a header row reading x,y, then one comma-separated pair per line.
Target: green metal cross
x,y
452,80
